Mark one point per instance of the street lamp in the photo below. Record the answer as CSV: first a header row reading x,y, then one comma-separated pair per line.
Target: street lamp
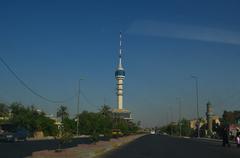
x,y
180,116
78,104
198,121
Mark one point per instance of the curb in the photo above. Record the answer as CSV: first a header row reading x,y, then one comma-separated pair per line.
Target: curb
x,y
213,140
87,150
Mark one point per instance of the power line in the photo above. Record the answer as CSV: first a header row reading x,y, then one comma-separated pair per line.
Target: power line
x,y
87,100
28,87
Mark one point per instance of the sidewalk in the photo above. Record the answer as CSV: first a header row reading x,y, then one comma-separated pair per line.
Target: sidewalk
x,y
86,150
52,138
204,139
215,140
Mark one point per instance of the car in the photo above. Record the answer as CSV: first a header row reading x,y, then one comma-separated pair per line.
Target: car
x,y
7,137
117,133
152,132
164,133
20,134
10,134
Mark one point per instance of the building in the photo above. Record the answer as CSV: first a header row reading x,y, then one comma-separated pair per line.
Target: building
x,y
120,76
209,116
231,119
216,119
193,123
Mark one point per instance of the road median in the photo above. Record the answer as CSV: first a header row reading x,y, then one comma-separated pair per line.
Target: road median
x,y
86,150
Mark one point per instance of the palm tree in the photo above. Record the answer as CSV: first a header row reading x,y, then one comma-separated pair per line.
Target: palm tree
x,y
62,112
106,111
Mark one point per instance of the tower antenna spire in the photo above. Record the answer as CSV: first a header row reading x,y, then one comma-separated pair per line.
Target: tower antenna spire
x,y
120,52
120,44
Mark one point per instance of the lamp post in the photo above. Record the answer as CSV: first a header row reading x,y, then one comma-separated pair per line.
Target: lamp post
x,y
198,121
180,116
171,124
78,104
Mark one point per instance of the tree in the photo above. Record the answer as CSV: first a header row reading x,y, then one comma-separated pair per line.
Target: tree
x,y
90,124
106,121
32,120
47,125
186,129
103,122
174,128
4,110
69,125
22,118
106,111
62,112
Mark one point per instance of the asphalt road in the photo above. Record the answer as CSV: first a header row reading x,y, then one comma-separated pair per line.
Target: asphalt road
x,y
25,149
157,146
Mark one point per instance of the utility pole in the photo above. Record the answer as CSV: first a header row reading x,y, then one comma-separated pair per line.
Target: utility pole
x,y
171,124
198,120
78,104
180,116
166,115
104,101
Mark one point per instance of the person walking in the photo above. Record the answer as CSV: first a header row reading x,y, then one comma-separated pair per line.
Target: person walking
x,y
238,139
226,137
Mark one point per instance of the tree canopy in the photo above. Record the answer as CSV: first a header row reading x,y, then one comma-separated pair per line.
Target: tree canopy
x,y
62,112
94,124
4,110
31,119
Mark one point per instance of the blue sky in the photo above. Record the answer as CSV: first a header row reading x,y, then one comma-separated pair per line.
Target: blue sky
x,y
51,44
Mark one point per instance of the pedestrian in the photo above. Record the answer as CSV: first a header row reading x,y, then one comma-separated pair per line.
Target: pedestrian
x,y
225,137
238,139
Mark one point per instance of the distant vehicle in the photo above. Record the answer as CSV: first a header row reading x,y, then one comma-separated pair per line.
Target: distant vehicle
x,y
152,132
164,133
158,132
117,133
10,134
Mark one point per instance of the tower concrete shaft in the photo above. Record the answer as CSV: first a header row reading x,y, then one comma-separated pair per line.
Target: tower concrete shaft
x,y
120,93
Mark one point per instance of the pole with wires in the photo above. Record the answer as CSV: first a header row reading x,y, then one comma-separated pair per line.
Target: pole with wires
x,y
180,115
197,96
78,105
25,85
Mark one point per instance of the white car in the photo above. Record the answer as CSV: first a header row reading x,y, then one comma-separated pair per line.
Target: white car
x,y
164,133
152,132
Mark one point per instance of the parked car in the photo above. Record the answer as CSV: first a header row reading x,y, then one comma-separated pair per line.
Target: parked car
x,y
117,133
9,133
